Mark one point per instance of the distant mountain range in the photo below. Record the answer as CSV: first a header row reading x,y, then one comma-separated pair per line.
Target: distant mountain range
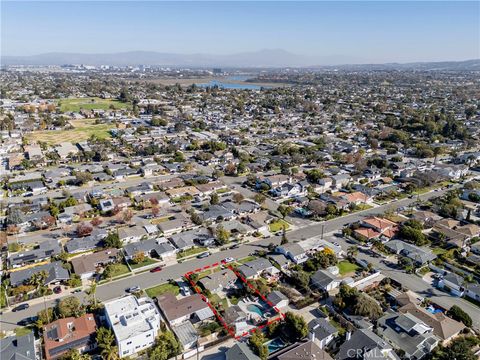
x,y
268,58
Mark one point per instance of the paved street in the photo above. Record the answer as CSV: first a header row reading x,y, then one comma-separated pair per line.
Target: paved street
x,y
147,279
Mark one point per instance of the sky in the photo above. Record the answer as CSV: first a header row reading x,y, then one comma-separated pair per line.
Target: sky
x,y
360,31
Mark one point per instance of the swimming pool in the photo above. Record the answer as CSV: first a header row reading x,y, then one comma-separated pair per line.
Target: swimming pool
x,y
432,310
255,308
275,344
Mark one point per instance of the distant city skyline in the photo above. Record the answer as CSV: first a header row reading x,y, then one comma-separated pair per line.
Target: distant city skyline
x,y
328,32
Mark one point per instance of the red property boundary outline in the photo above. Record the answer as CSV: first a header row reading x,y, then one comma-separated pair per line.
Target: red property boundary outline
x,y
219,317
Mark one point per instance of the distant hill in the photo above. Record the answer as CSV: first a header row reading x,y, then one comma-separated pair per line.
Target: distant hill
x,y
266,58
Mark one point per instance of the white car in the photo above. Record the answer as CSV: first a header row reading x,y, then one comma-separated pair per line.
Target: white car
x,y
228,260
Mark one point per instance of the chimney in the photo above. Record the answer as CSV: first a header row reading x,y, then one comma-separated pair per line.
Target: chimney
x,y
348,335
311,335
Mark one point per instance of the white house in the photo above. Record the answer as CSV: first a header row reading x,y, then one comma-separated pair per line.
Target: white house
x,y
294,252
135,323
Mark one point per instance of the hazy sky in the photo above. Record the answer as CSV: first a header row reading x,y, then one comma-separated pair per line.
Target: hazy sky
x,y
378,31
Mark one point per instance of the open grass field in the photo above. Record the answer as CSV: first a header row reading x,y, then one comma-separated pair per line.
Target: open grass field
x,y
75,104
347,267
82,130
162,289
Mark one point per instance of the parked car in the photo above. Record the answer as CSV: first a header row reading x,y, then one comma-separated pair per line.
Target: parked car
x,y
228,260
21,307
236,246
133,289
203,255
156,269
27,321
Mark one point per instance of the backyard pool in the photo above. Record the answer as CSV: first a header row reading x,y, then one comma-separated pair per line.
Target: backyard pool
x,y
432,310
275,344
255,308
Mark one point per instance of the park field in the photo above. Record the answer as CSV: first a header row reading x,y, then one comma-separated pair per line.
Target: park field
x,y
82,130
75,104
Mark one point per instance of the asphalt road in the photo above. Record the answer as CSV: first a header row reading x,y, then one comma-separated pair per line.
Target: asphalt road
x,y
146,280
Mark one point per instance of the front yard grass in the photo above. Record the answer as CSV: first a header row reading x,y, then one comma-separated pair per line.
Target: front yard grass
x,y
162,289
278,225
117,270
20,331
146,262
190,252
246,259
346,267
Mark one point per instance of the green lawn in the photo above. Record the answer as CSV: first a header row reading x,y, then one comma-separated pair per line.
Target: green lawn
x,y
20,331
75,104
278,225
162,289
246,259
438,251
147,261
190,252
346,267
117,270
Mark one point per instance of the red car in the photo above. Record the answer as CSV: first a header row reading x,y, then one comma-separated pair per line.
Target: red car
x,y
156,269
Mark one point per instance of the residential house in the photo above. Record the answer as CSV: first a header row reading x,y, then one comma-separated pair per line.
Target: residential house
x,y
69,333
259,267
45,250
179,223
377,227
277,299
135,323
303,351
419,255
152,248
408,333
281,260
218,281
444,328
189,308
294,252
86,266
21,347
321,332
240,351
54,270
365,344
473,291
324,280
452,283
131,234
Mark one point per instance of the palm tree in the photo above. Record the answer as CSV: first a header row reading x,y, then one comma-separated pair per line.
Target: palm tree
x,y
92,292
352,251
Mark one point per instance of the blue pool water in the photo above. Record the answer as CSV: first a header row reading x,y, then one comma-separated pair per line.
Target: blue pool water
x,y
432,310
256,309
275,344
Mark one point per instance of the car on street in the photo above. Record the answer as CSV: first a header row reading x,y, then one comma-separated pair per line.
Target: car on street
x,y
156,269
133,289
21,307
203,255
27,321
57,290
236,246
228,260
